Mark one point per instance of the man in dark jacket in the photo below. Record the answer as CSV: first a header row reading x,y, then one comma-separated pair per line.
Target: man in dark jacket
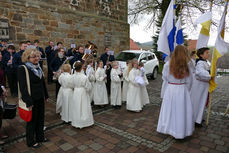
x,y
107,59
48,51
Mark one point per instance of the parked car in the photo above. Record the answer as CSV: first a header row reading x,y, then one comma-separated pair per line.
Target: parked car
x,y
151,63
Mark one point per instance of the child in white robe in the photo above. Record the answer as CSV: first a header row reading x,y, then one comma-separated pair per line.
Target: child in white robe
x,y
125,80
91,77
176,117
64,98
199,92
116,85
81,109
193,62
145,96
100,90
134,99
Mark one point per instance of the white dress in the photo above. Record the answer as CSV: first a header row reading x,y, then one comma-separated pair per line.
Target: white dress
x,y
116,88
176,117
164,81
100,90
134,99
125,84
199,92
81,109
145,96
91,77
64,97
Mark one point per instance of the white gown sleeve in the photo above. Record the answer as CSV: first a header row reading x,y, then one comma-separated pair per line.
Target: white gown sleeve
x,y
91,76
115,77
132,78
201,72
189,80
97,76
87,85
60,80
165,72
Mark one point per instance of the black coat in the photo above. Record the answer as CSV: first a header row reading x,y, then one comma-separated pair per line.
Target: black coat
x,y
37,86
56,63
48,51
5,59
77,57
104,58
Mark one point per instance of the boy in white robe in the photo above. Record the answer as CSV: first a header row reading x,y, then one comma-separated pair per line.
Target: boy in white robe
x,y
81,109
116,85
199,92
64,98
91,77
100,90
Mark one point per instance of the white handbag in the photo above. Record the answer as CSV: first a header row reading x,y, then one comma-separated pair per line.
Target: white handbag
x,y
21,103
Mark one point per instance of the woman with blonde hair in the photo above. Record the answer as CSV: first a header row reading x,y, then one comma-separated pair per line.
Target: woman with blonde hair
x,y
35,100
134,99
176,114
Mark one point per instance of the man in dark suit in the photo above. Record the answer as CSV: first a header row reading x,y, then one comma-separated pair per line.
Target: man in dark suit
x,y
17,56
77,56
107,59
41,50
48,50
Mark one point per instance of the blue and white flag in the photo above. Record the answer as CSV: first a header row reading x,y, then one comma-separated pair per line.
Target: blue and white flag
x,y
166,37
179,33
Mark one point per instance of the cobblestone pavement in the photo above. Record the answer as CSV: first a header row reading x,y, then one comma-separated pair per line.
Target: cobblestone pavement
x,y
118,130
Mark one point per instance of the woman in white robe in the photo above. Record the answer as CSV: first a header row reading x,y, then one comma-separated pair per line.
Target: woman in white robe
x,y
199,92
176,117
100,90
91,77
134,99
115,85
81,110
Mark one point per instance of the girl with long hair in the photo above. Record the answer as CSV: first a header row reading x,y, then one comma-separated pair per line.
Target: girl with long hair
x,y
176,114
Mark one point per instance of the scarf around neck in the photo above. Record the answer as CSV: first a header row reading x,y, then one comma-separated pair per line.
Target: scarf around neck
x,y
36,69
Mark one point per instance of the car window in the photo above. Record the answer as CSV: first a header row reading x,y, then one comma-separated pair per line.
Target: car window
x,y
151,56
144,57
124,56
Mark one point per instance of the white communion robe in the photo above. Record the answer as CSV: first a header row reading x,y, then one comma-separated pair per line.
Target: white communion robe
x,y
176,117
81,109
125,84
64,97
134,99
91,77
145,96
199,92
100,90
116,91
164,83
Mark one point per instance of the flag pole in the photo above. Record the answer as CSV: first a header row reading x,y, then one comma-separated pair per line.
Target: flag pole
x,y
211,93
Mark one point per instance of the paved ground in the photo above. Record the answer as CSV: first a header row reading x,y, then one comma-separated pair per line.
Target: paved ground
x,y
118,130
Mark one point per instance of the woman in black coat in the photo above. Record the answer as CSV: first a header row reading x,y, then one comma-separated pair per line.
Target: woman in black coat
x,y
35,101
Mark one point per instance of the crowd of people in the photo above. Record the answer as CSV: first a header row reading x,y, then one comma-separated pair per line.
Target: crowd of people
x,y
81,80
